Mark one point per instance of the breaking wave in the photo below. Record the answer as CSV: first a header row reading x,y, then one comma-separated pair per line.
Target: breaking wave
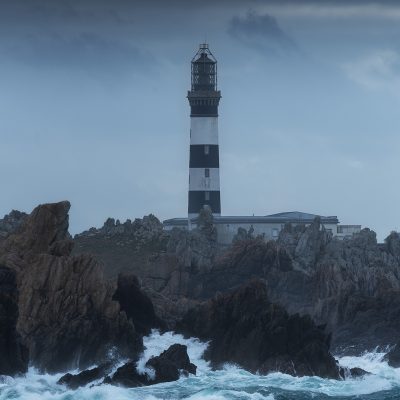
x,y
231,382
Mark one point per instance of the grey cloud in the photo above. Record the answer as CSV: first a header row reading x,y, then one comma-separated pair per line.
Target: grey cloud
x,y
260,31
81,51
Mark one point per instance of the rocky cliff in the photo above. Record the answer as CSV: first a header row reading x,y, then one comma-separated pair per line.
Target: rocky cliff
x,y
67,317
351,285
245,328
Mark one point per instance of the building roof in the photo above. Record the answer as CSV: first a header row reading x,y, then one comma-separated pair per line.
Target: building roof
x,y
295,217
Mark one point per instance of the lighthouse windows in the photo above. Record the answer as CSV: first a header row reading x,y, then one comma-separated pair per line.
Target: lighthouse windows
x,y
207,172
206,149
207,196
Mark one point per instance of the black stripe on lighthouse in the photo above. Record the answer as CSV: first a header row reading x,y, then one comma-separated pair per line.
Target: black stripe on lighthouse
x,y
198,199
199,158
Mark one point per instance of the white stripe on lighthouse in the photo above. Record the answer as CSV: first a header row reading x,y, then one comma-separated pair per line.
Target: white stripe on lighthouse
x,y
204,130
198,180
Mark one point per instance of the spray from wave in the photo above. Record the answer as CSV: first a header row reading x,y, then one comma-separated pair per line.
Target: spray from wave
x,y
231,382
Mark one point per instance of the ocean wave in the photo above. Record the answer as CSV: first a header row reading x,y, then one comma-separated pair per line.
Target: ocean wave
x,y
229,383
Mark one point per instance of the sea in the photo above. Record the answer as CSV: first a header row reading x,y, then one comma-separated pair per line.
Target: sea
x,y
231,382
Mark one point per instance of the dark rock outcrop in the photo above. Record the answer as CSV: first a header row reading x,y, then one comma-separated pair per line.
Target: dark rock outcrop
x,y
67,317
167,368
140,231
85,377
169,363
11,223
127,376
352,285
136,304
393,357
13,355
247,329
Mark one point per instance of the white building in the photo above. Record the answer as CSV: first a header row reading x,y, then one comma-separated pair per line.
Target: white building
x,y
267,226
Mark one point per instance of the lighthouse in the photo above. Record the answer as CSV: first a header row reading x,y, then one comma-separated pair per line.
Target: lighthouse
x,y
204,189
204,96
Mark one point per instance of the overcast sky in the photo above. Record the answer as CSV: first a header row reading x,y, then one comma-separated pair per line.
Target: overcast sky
x,y
93,107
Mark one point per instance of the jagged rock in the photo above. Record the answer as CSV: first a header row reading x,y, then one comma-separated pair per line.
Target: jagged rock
x,y
244,261
67,317
136,304
127,376
246,329
358,372
393,357
83,378
14,356
195,249
393,245
346,373
169,363
167,368
11,222
305,244
140,230
353,285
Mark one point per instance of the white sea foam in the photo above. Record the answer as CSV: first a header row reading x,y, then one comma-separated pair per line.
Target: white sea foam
x,y
156,343
230,383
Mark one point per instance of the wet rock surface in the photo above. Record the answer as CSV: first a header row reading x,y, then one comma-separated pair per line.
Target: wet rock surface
x,y
245,328
393,357
168,367
67,317
170,363
14,355
352,285
136,304
85,377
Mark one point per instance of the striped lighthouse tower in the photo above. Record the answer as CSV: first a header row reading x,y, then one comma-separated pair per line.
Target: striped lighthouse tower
x,y
204,152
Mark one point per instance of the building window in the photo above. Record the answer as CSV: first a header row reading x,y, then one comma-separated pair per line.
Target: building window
x,y
207,196
207,172
275,233
206,149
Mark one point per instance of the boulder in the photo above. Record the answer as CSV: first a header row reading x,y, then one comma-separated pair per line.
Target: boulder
x,y
85,377
14,355
167,367
245,328
169,363
393,357
127,376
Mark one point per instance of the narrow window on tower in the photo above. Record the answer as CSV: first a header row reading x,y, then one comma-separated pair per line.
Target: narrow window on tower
x,y
206,149
207,172
207,196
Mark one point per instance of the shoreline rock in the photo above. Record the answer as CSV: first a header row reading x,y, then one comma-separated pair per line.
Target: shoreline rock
x,y
14,355
245,328
67,317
